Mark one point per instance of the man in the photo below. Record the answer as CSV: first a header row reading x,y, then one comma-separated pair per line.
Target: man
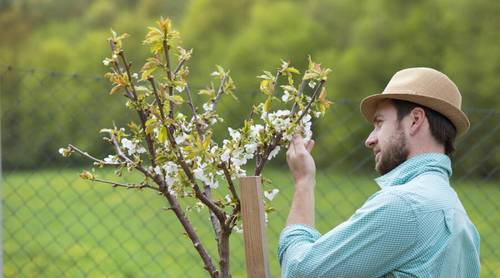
x,y
415,226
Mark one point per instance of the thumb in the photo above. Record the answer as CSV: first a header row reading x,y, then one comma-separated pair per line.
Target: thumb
x,y
310,145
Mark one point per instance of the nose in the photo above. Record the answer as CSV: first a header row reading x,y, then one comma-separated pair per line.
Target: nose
x,y
371,141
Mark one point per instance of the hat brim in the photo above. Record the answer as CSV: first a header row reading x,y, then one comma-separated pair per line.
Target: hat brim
x,y
457,117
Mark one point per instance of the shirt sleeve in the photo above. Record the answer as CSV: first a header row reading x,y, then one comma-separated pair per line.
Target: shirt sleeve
x,y
373,242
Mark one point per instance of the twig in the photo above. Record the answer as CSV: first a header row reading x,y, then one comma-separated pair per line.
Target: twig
x,y
90,156
126,159
141,112
315,94
157,97
126,185
229,181
193,109
179,65
299,93
169,75
220,91
127,69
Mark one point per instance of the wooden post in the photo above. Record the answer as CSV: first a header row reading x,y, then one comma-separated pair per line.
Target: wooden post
x,y
254,227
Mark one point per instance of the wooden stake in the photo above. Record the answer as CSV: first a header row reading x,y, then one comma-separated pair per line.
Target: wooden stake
x,y
254,227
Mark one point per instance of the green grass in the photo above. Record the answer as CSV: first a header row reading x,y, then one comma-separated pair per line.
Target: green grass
x,y
57,225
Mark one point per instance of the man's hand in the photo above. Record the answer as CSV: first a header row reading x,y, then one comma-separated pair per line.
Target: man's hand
x,y
303,169
300,161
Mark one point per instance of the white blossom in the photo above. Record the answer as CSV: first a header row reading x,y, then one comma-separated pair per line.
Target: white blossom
x,y
237,229
312,84
141,149
255,130
214,149
271,194
281,113
306,118
157,170
170,167
273,153
200,175
240,172
234,134
207,106
179,139
61,151
135,75
215,73
170,181
111,159
131,147
286,96
317,114
251,148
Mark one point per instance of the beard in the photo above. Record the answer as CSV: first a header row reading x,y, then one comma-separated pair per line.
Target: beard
x,y
396,153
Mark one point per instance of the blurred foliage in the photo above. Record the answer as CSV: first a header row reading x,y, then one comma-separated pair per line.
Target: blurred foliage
x,y
365,42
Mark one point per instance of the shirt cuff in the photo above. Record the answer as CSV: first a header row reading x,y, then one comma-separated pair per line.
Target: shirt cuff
x,y
295,233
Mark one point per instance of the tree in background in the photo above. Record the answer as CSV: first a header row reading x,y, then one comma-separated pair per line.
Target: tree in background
x,y
367,41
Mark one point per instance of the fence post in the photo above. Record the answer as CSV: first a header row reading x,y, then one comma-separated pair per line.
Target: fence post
x,y
254,227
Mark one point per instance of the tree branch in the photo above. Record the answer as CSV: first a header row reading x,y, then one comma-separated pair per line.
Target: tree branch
x,y
193,109
220,91
179,65
191,233
314,96
299,93
180,159
126,185
277,138
169,75
141,112
71,147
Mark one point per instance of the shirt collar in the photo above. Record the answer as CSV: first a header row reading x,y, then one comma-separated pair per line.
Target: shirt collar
x,y
416,165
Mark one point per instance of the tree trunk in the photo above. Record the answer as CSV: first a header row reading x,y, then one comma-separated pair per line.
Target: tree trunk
x,y
224,253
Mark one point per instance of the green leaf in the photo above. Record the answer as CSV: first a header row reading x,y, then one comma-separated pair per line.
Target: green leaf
x,y
150,124
292,70
310,75
116,89
176,99
162,136
267,104
161,158
148,72
141,89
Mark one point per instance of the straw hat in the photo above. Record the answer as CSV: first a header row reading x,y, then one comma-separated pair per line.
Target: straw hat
x,y
424,86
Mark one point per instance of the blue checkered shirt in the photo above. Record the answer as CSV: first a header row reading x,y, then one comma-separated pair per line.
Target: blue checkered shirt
x,y
415,226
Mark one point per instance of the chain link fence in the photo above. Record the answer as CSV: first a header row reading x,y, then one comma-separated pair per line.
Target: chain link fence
x,y
57,225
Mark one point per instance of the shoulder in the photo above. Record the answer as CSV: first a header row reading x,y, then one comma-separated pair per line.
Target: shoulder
x,y
389,205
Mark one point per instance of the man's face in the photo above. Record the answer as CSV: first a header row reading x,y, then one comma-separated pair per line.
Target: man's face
x,y
388,139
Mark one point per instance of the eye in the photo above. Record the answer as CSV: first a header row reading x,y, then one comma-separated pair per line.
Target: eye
x,y
377,122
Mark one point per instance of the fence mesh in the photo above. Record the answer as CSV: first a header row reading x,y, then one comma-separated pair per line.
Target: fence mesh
x,y
55,224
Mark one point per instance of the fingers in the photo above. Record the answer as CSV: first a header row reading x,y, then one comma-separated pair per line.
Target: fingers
x,y
310,145
297,145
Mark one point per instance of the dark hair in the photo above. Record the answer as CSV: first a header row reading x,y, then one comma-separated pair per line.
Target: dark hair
x,y
441,127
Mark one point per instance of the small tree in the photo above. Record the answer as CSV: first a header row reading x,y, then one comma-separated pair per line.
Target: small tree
x,y
176,154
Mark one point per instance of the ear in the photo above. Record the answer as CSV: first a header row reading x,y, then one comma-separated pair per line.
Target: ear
x,y
417,120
